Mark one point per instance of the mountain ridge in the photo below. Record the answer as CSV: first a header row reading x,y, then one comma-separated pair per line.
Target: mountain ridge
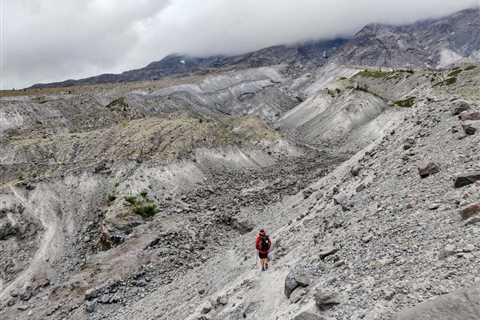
x,y
309,52
430,43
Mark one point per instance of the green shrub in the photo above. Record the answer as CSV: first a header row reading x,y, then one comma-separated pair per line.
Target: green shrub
x,y
111,197
407,103
446,82
146,210
455,73
142,206
131,200
377,74
470,68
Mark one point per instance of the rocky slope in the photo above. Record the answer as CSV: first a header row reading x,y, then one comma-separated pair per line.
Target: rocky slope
x,y
425,44
149,211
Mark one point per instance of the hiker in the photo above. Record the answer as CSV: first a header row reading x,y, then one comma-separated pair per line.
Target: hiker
x,y
263,244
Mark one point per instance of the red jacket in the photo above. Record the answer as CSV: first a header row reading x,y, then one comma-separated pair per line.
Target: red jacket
x,y
258,244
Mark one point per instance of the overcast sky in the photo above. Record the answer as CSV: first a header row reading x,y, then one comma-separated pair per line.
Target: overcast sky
x,y
53,40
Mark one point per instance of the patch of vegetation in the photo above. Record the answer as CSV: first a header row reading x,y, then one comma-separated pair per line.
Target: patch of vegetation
x,y
40,100
342,78
131,200
142,205
470,68
146,210
454,73
446,82
407,103
377,74
111,197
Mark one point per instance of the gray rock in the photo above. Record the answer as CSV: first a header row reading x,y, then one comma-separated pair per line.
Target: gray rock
x,y
460,107
325,300
469,129
447,251
355,170
470,211
367,238
206,309
427,169
297,295
297,277
409,143
327,251
474,116
460,305
22,307
222,300
91,306
465,179
92,293
473,220
7,230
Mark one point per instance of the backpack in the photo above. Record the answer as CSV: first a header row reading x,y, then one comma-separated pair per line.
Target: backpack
x,y
264,243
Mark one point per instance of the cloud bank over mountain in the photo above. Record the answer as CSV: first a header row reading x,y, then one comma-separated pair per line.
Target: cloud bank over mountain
x,y
52,40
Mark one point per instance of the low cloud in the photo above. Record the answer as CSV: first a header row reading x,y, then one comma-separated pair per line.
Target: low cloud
x,y
52,40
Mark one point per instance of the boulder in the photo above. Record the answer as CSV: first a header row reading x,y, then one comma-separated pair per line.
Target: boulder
x,y
460,107
7,230
325,300
307,193
355,170
408,143
473,116
427,169
469,129
222,301
460,305
206,308
299,276
242,226
447,251
297,295
470,211
91,306
327,251
465,179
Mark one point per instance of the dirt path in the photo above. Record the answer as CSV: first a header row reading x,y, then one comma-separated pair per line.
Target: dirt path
x,y
48,248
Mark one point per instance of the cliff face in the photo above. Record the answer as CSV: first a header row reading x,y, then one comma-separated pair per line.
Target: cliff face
x,y
425,44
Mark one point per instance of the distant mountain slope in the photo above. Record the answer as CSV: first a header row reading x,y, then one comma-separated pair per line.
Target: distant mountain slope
x,y
431,43
425,44
314,53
